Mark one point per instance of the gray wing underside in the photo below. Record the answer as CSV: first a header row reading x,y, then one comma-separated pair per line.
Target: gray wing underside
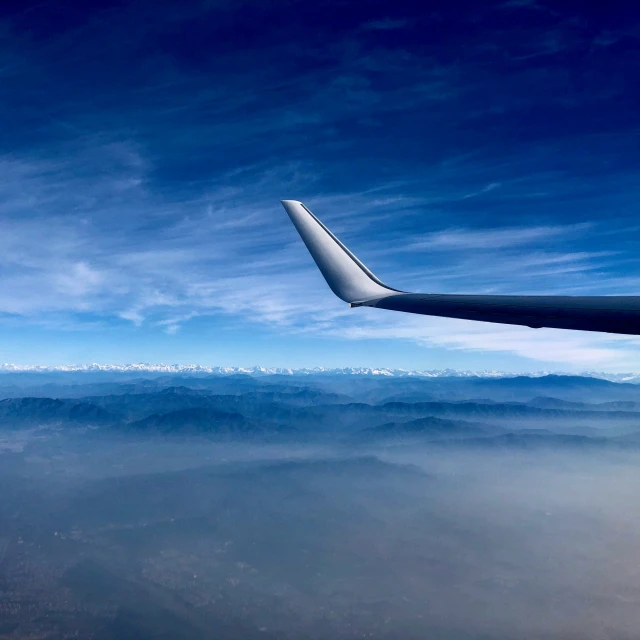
x,y
351,281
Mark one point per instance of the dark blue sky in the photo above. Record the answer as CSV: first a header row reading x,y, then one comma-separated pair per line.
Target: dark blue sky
x,y
454,146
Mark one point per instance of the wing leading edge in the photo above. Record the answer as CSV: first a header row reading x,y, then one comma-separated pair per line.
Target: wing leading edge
x,y
351,281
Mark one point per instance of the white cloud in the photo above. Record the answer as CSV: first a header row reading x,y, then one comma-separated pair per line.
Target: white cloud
x,y
497,238
385,24
133,315
77,279
492,186
572,349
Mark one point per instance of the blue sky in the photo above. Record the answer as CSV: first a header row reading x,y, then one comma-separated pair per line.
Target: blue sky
x,y
464,147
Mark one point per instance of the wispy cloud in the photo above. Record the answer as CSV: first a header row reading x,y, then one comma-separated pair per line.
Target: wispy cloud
x,y
386,24
464,239
571,349
492,186
520,4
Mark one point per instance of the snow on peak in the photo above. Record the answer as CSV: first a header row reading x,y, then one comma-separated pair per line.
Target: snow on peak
x,y
183,369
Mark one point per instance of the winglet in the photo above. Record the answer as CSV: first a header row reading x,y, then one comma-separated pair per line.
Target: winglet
x,y
348,278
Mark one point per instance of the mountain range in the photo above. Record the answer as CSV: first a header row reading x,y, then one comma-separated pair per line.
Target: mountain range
x,y
358,411
196,369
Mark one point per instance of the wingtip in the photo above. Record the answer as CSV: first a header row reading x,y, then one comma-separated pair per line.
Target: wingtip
x,y
295,209
348,278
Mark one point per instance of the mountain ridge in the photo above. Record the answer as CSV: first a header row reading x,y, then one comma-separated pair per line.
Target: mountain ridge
x,y
197,369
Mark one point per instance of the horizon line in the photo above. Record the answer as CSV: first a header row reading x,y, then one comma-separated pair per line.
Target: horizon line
x,y
161,367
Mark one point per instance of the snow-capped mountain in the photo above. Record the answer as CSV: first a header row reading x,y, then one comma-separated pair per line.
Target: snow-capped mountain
x,y
197,369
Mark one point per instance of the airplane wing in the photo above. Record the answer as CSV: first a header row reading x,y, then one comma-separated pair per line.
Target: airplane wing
x,y
351,281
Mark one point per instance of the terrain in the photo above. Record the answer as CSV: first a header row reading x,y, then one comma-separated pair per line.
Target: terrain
x,y
317,506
